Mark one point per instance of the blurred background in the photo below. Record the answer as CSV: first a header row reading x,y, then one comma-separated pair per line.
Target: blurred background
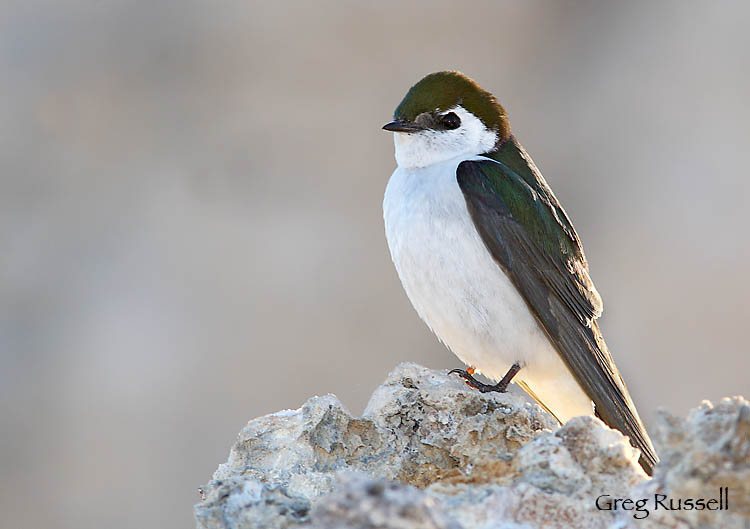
x,y
191,223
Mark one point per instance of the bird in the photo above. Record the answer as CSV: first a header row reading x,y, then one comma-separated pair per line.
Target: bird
x,y
491,262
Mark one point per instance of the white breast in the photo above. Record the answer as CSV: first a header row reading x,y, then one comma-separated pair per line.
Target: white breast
x,y
459,290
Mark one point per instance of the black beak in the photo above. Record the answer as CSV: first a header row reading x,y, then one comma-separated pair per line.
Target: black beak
x,y
402,125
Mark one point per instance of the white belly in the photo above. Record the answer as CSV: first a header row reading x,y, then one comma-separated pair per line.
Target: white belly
x,y
462,294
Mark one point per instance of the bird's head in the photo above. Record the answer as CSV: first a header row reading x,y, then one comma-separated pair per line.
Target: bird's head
x,y
443,116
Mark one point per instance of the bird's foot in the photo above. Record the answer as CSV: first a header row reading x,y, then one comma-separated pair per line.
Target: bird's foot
x,y
474,383
500,387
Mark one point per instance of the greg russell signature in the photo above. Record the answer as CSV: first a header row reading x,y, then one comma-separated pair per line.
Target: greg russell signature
x,y
642,507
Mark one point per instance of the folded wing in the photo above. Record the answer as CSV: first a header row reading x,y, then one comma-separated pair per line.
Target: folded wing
x,y
529,235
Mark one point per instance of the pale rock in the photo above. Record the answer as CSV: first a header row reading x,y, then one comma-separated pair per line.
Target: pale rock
x,y
366,503
699,454
431,453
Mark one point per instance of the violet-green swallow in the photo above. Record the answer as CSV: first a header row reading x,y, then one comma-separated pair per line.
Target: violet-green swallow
x,y
490,260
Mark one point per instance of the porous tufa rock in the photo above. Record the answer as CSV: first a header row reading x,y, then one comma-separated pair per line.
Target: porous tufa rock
x,y
700,454
360,501
431,453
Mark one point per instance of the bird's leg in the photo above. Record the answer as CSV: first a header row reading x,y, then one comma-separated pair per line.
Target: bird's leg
x,y
500,387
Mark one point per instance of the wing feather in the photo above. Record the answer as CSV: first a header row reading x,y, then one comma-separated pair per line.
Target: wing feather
x,y
529,235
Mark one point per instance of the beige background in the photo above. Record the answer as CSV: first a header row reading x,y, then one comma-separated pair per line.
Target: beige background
x,y
191,232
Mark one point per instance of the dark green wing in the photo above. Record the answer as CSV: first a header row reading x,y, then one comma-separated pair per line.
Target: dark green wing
x,y
531,238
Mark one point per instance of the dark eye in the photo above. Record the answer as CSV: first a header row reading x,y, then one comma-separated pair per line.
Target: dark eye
x,y
450,121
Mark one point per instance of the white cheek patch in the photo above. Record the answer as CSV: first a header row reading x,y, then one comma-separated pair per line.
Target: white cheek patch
x,y
425,148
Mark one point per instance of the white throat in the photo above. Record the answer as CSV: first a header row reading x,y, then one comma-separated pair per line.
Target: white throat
x,y
420,149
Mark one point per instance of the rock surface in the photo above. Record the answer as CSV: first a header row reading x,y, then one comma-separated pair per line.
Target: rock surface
x,y
431,453
708,450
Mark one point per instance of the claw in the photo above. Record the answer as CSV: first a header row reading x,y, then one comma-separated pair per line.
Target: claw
x,y
470,380
500,387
